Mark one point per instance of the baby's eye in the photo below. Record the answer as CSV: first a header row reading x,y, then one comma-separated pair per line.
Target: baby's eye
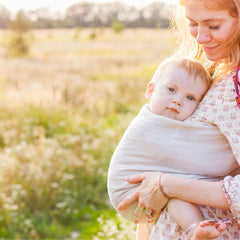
x,y
191,98
170,89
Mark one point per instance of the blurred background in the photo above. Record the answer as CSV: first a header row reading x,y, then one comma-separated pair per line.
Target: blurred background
x,y
72,77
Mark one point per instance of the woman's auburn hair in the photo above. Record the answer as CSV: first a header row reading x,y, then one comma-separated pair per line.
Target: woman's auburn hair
x,y
189,47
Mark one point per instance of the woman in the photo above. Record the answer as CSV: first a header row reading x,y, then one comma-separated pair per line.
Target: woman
x,y
215,26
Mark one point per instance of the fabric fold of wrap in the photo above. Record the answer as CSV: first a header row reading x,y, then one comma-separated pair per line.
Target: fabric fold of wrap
x,y
154,143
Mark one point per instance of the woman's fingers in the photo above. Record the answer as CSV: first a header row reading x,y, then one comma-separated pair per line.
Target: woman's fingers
x,y
139,214
143,214
137,178
127,201
149,215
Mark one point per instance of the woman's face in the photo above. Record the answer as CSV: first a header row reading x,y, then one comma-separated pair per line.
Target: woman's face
x,y
211,28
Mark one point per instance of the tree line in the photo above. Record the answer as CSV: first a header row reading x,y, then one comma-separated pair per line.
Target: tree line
x,y
85,14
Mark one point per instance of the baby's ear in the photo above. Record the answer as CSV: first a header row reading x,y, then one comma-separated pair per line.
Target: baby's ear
x,y
149,90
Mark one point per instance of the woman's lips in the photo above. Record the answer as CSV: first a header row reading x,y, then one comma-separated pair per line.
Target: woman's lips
x,y
208,49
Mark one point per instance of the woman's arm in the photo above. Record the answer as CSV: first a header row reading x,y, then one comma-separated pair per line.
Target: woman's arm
x,y
195,191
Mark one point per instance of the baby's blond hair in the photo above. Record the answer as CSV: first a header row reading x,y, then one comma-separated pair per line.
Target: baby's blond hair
x,y
193,67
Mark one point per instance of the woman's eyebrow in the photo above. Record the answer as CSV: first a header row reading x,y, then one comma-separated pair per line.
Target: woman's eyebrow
x,y
208,20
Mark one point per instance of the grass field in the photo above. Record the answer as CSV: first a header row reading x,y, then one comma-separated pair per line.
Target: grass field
x,y
64,107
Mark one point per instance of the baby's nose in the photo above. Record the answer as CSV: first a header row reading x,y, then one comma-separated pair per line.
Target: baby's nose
x,y
177,101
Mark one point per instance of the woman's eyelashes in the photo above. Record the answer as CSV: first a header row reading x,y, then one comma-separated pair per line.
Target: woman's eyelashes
x,y
214,27
210,26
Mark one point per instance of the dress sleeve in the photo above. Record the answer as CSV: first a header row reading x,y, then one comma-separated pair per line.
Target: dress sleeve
x,y
231,188
229,124
228,121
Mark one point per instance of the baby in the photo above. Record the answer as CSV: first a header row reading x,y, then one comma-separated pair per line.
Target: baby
x,y
174,92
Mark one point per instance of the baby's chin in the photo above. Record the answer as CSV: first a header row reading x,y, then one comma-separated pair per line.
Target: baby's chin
x,y
172,114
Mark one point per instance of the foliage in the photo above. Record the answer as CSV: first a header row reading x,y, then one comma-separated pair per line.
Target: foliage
x,y
4,17
85,14
18,44
115,228
93,35
117,26
21,23
41,160
77,33
63,111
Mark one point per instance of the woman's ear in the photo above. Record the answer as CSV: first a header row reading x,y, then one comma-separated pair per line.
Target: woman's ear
x,y
149,90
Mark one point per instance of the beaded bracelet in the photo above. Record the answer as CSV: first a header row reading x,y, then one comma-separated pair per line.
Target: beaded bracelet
x,y
161,187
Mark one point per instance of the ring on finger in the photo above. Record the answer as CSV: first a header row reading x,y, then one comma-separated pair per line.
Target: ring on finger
x,y
149,219
140,209
149,213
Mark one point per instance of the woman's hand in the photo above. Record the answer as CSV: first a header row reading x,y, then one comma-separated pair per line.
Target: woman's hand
x,y
148,194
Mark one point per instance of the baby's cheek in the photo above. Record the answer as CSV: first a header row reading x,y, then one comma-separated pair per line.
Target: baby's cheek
x,y
193,107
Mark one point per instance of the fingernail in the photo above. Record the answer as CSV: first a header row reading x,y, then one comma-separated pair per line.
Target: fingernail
x,y
119,207
128,179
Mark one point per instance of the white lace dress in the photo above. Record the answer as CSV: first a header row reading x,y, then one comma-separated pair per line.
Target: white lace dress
x,y
218,107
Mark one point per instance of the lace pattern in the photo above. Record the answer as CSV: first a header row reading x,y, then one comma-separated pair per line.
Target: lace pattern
x,y
231,187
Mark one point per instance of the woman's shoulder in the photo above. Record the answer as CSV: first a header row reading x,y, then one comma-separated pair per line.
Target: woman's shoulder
x,y
219,102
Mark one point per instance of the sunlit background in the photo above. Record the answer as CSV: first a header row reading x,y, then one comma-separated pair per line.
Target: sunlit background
x,y
72,77
59,5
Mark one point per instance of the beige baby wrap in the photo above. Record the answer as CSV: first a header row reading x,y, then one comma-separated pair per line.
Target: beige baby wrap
x,y
156,143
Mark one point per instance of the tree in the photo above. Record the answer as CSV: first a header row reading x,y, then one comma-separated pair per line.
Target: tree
x,y
86,14
21,23
4,17
117,26
18,44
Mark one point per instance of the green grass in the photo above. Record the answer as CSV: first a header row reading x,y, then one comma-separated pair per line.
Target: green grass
x,y
64,108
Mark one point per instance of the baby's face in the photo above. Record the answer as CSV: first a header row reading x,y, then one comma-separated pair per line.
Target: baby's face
x,y
176,95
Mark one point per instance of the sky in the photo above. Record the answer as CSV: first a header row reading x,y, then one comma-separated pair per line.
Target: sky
x,y
60,5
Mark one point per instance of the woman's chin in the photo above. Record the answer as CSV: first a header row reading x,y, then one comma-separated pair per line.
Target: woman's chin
x,y
214,57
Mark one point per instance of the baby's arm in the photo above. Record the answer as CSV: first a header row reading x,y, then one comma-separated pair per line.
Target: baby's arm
x,y
184,213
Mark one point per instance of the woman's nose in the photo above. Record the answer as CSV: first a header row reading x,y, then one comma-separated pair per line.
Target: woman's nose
x,y
203,36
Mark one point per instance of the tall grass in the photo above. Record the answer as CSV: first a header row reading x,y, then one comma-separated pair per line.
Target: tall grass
x,y
63,109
